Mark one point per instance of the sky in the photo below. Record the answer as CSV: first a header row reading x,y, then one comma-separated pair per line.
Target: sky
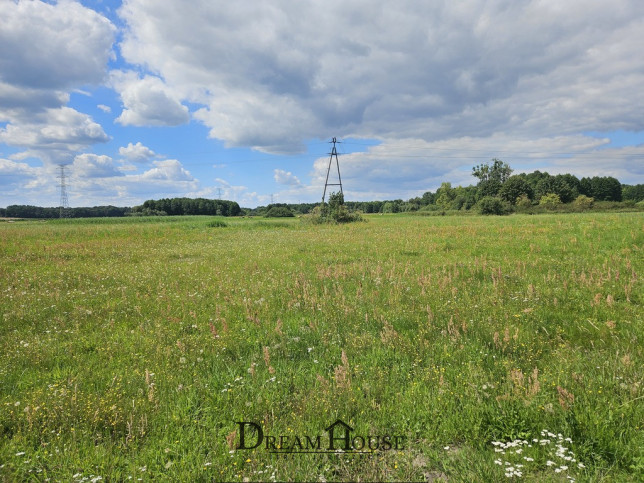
x,y
150,99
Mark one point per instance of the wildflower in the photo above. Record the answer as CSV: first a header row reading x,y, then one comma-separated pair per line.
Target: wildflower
x,y
20,454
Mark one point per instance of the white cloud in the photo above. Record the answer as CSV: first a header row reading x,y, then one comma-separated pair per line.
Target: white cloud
x,y
47,51
148,101
94,166
272,75
286,177
54,135
136,152
13,173
104,108
53,47
168,170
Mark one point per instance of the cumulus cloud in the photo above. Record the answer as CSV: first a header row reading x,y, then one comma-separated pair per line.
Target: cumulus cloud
x,y
48,50
136,152
148,101
54,135
286,177
94,166
269,76
57,46
168,170
12,172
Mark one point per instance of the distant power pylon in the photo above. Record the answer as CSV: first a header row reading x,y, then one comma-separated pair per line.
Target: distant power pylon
x,y
218,193
334,154
64,202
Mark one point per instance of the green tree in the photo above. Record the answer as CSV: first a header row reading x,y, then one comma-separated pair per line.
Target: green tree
x,y
556,185
445,195
491,205
583,202
523,202
497,171
633,192
606,188
515,187
550,201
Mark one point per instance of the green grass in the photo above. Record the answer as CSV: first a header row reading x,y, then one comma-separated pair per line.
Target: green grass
x,y
132,346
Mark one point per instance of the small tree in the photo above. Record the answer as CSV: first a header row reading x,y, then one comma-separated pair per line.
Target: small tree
x,y
279,212
523,202
336,211
444,196
550,201
491,205
515,187
584,202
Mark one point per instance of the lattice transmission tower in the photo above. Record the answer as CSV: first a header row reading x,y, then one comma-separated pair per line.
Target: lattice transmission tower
x,y
334,154
64,202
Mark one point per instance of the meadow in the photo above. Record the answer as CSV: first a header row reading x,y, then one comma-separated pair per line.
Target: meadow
x,y
499,348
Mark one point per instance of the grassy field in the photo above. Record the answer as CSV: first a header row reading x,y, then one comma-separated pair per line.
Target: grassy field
x,y
493,347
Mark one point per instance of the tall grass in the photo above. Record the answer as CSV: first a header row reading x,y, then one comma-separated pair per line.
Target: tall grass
x,y
131,348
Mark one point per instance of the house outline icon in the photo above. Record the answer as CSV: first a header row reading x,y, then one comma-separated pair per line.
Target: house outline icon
x,y
346,439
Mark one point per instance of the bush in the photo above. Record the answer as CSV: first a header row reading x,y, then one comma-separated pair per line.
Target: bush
x,y
140,211
550,201
333,212
584,202
216,224
279,212
491,205
523,202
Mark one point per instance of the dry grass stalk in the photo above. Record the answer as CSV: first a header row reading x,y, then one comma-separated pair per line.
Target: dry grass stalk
x,y
597,300
230,439
388,333
517,378
342,373
566,399
533,383
267,360
150,385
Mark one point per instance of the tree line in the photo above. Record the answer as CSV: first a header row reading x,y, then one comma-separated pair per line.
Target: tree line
x,y
166,206
187,206
497,191
29,211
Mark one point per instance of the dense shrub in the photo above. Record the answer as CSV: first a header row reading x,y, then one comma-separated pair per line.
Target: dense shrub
x,y
550,201
491,205
584,202
279,212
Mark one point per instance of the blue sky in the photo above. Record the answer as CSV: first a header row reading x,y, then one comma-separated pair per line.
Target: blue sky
x,y
145,99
